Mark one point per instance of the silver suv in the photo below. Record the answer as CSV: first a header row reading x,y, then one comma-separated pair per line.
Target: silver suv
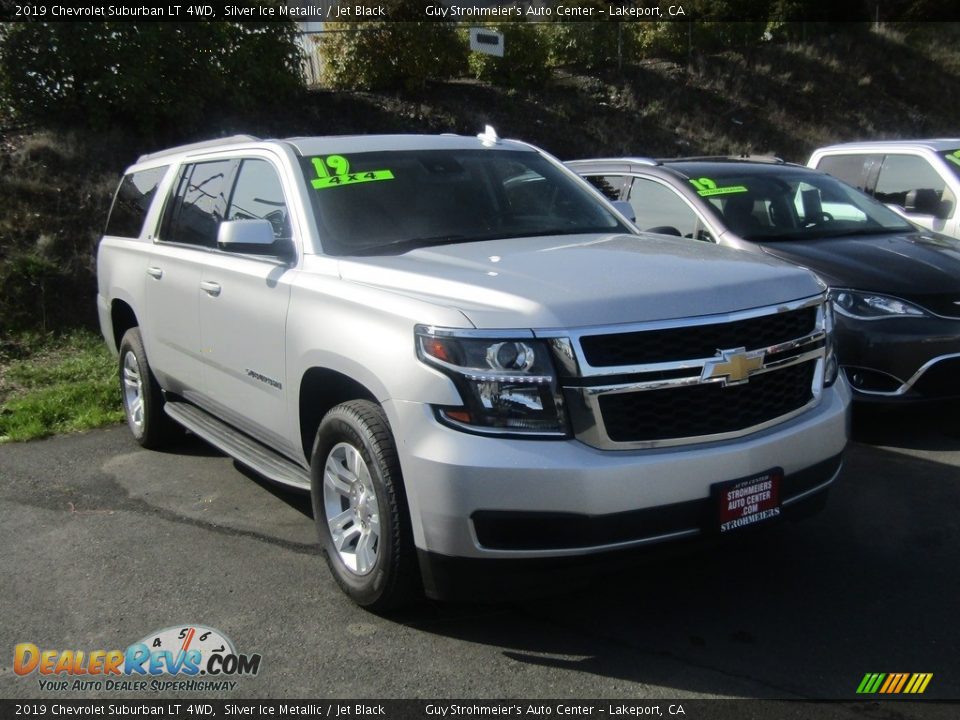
x,y
462,351
919,178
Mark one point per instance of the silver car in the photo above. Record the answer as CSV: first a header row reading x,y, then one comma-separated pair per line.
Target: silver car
x,y
463,352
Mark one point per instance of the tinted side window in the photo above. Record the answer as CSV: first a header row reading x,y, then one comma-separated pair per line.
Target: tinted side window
x,y
132,201
198,204
901,175
662,209
849,168
609,185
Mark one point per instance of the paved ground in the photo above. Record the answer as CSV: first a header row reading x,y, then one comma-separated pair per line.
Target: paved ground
x,y
104,542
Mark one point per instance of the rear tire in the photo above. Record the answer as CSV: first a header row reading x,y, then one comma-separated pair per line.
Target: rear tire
x,y
360,507
142,397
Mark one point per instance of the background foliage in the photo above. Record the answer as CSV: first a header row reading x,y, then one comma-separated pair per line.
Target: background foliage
x,y
525,63
402,54
80,101
145,77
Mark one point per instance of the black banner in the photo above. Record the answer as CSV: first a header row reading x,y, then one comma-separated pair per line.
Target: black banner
x,y
474,11
698,709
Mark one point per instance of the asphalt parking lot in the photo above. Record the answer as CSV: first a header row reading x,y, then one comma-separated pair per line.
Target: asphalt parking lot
x,y
104,543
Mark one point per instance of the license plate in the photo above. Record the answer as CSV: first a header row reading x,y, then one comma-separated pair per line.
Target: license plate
x,y
745,502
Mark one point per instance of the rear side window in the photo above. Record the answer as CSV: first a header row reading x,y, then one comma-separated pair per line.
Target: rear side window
x,y
903,177
132,201
198,204
849,168
609,185
660,209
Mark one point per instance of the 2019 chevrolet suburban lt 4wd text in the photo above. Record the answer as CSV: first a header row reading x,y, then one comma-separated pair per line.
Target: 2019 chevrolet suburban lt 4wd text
x,y
463,352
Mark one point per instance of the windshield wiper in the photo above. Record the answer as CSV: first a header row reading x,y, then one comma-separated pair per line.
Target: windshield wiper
x,y
864,231
810,235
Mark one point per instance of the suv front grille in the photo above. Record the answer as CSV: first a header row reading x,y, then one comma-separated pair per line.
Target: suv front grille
x,y
703,341
707,409
700,380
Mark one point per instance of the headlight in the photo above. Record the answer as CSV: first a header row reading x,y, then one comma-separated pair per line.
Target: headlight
x,y
869,306
508,385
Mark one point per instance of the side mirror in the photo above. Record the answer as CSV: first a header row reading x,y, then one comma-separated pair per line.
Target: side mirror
x,y
244,232
625,209
664,230
926,201
254,237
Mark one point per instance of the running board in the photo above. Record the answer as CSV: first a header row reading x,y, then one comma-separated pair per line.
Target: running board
x,y
243,449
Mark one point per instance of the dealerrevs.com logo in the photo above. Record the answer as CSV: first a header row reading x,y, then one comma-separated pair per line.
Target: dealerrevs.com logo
x,y
182,658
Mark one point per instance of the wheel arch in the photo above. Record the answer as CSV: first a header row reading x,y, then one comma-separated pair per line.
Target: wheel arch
x,y
320,390
122,318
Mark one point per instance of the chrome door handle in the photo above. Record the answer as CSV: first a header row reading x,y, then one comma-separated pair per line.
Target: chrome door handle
x,y
210,288
154,271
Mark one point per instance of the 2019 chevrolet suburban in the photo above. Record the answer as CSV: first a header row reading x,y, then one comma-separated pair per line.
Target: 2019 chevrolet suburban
x,y
462,351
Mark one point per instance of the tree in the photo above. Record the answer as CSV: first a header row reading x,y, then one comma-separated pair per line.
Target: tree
x,y
526,55
399,54
145,77
593,45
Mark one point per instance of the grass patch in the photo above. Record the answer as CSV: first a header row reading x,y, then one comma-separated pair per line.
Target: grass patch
x,y
55,384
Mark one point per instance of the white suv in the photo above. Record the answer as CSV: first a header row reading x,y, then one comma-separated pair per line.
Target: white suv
x,y
462,352
919,178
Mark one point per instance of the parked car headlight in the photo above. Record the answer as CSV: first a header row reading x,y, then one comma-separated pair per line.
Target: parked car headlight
x,y
870,306
508,385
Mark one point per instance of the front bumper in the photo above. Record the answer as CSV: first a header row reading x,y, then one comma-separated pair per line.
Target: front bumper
x,y
457,483
900,359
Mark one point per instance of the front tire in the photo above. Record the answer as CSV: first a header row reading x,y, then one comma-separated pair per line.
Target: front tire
x,y
142,397
360,507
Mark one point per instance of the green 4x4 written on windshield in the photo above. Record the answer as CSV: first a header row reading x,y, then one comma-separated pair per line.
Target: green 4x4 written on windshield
x,y
394,201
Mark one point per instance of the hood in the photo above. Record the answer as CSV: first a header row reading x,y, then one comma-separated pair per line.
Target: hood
x,y
583,280
920,266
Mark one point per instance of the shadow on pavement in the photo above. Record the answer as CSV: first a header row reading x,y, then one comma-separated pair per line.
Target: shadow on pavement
x,y
805,609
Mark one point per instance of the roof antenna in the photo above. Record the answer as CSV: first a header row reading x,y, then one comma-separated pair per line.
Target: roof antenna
x,y
489,136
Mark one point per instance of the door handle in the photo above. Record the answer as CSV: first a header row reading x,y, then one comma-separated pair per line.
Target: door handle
x,y
155,272
210,288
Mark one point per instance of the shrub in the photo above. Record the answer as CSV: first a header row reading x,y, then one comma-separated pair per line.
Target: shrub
x,y
397,55
146,77
593,45
526,53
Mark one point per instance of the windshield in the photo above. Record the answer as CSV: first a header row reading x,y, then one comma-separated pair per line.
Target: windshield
x,y
792,205
391,202
953,160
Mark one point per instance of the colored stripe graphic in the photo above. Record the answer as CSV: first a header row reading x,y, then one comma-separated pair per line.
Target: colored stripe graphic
x,y
870,683
894,683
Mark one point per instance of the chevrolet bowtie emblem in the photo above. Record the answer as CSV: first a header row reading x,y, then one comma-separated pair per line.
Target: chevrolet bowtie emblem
x,y
733,367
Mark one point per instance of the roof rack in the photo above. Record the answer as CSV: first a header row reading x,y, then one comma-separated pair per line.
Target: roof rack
x,y
198,146
726,158
643,160
624,159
